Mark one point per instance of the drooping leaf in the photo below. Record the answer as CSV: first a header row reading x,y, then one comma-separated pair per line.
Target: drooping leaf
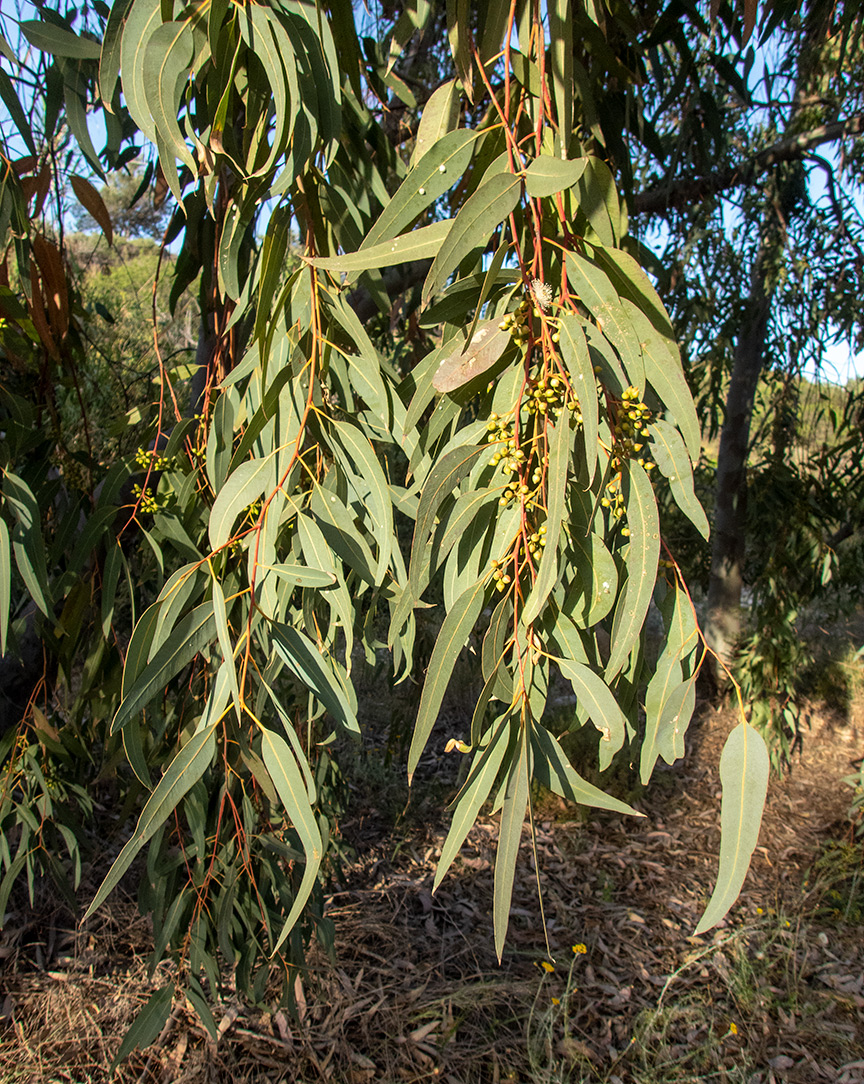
x,y
416,245
476,790
744,768
5,584
671,456
181,775
560,444
509,837
291,788
641,560
454,632
189,636
304,660
596,700
147,1025
477,218
547,174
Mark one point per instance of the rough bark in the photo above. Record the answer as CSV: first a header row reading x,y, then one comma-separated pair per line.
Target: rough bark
x,y
723,622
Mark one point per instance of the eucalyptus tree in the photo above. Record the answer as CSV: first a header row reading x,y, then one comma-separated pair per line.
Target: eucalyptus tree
x,y
259,551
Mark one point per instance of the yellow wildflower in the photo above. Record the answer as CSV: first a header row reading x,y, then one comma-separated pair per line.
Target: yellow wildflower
x,y
556,1000
547,967
580,949
733,1028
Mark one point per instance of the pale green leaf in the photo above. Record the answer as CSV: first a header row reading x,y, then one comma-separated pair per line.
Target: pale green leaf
x,y
744,767
419,244
190,636
248,482
641,559
182,774
473,794
574,351
596,700
553,770
440,116
437,171
454,633
478,217
509,837
560,439
547,174
359,449
668,449
291,788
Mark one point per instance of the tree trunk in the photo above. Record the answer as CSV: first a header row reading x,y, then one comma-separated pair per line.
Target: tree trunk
x,y
723,622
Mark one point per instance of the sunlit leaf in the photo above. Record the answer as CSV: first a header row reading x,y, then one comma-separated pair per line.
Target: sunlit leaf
x,y
744,767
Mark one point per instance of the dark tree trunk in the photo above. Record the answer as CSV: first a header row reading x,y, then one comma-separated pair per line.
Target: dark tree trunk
x,y
723,622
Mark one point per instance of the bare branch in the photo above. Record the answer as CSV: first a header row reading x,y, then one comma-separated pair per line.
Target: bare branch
x,y
685,191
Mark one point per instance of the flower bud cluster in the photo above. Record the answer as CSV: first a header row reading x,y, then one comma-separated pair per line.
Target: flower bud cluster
x,y
146,500
500,577
631,428
517,323
145,459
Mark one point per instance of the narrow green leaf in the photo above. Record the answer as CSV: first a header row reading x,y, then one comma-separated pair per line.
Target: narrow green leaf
x,y
596,699
574,350
147,1025
360,450
248,482
59,42
291,788
167,62
509,838
28,545
5,584
473,794
417,245
440,116
481,213
301,575
744,767
454,633
145,16
664,373
668,449
182,774
600,297
561,49
560,439
10,99
434,174
447,473
220,613
547,174
553,770
305,662
109,55
190,636
641,559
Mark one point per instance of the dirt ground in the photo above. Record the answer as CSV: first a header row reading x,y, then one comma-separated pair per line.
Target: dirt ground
x,y
776,994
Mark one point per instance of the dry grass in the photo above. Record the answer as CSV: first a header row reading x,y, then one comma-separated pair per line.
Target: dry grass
x,y
775,995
